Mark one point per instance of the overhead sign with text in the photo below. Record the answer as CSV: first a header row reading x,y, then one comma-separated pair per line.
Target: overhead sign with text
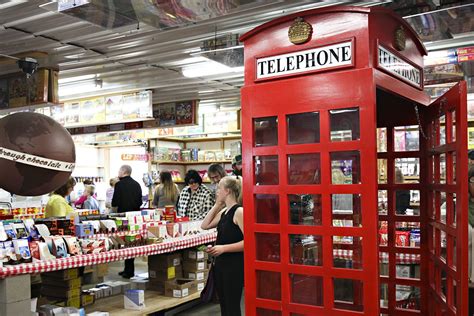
x,y
399,68
305,61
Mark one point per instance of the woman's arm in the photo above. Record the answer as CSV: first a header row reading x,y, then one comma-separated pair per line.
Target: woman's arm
x,y
220,249
235,247
212,218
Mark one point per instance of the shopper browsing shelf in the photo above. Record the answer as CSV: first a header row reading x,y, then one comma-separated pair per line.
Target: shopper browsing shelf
x,y
57,204
166,193
90,203
127,197
79,203
195,200
228,217
215,172
127,192
237,165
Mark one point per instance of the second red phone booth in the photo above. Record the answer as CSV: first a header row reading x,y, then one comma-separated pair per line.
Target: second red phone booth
x,y
355,184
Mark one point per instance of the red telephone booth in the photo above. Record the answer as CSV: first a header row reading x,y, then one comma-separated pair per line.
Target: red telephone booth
x,y
355,186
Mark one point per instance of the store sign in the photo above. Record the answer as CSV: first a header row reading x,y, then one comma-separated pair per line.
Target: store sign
x,y
134,157
399,68
310,60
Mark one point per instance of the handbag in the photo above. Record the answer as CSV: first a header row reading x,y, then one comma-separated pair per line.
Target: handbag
x,y
209,291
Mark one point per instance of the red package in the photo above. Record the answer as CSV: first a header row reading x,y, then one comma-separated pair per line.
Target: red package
x,y
402,239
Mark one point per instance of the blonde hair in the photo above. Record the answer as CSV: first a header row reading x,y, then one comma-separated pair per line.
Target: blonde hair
x,y
169,188
90,189
234,184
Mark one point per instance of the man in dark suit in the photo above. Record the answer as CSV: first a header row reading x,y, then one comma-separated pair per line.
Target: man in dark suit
x,y
127,198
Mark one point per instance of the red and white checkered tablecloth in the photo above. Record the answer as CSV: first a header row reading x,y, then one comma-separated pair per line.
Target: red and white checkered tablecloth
x,y
143,232
109,256
402,258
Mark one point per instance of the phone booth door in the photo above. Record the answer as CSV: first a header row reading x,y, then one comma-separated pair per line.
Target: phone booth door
x,y
310,186
445,143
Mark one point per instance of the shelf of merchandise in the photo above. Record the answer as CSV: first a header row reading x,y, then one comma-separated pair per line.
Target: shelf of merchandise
x,y
154,302
167,246
29,108
190,162
200,139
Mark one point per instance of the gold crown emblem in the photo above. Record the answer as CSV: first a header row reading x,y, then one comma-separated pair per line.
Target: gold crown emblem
x,y
300,31
400,39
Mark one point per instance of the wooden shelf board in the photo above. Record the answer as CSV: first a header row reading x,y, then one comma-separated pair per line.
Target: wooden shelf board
x,y
199,139
154,302
189,162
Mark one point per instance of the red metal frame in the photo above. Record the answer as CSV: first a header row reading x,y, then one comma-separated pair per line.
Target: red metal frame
x,y
448,282
268,283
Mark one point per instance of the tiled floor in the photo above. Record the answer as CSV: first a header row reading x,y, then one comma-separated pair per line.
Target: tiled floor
x,y
141,267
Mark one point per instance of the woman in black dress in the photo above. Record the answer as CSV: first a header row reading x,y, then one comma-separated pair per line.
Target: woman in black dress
x,y
228,216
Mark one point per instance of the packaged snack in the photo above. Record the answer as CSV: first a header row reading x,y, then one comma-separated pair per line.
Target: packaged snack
x,y
22,249
59,247
415,238
402,238
73,246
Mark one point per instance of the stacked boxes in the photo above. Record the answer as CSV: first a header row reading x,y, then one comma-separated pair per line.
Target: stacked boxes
x,y
15,295
162,268
195,267
64,285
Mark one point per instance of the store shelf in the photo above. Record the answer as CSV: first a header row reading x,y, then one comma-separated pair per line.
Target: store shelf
x,y
200,139
189,162
154,302
30,107
108,256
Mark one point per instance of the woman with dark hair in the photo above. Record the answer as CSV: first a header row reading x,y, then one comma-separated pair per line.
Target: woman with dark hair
x,y
166,192
57,204
195,200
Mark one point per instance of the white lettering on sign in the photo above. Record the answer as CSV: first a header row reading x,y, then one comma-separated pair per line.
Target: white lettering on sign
x,y
398,67
36,161
315,59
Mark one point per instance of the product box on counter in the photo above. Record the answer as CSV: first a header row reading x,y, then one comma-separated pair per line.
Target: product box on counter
x,y
134,299
159,231
180,288
172,229
138,283
84,230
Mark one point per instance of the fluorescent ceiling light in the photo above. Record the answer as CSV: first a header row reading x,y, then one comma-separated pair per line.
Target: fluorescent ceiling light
x,y
208,68
75,79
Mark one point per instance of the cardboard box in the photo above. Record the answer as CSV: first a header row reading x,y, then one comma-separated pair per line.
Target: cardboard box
x,y
87,299
194,266
47,310
157,286
134,299
58,292
163,262
165,275
157,231
195,255
198,276
67,274
102,269
72,302
15,289
64,284
139,284
200,285
180,288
